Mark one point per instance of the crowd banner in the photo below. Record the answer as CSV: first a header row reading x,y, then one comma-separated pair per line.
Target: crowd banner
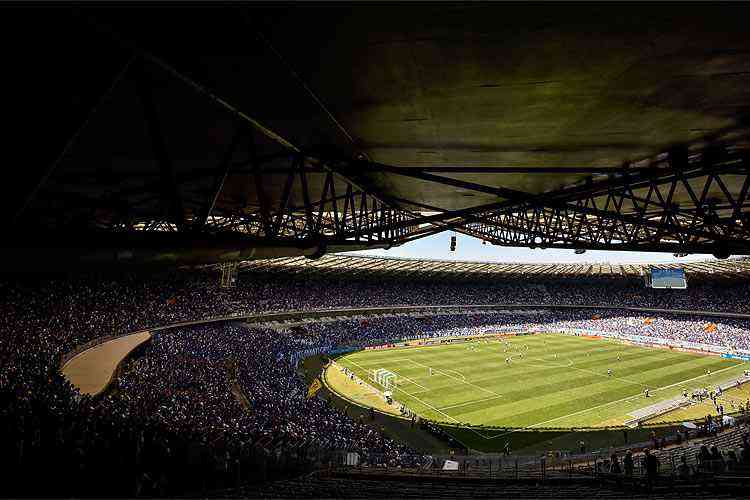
x,y
315,386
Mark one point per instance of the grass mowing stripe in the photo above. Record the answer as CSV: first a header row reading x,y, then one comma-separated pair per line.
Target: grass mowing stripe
x,y
524,411
470,402
464,381
679,377
543,401
618,401
598,374
440,394
535,389
541,375
427,405
536,401
579,382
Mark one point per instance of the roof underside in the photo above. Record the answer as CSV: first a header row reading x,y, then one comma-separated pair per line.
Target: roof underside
x,y
346,266
524,86
528,99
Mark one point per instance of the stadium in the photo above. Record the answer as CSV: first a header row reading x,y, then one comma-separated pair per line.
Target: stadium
x,y
188,312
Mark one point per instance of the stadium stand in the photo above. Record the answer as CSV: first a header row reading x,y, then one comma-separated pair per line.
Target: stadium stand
x,y
184,188
172,408
347,266
344,487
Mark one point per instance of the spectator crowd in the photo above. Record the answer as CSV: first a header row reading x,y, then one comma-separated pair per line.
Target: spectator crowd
x,y
173,412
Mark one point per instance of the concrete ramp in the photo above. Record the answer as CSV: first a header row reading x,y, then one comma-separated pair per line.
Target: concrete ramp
x,y
93,369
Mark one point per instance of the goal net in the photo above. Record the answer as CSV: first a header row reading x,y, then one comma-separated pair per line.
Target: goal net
x,y
383,378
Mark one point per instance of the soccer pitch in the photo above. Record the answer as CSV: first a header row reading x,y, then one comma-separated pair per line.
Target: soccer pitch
x,y
552,381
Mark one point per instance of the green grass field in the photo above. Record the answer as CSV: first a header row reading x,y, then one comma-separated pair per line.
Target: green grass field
x,y
472,385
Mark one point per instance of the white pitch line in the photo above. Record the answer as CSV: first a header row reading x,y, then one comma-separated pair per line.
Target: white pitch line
x,y
428,405
456,378
470,402
375,362
405,378
614,402
421,392
585,370
412,381
463,377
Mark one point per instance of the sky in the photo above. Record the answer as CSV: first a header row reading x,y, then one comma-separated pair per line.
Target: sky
x,y
468,248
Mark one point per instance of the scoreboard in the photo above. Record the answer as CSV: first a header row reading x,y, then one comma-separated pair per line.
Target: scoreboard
x,y
668,278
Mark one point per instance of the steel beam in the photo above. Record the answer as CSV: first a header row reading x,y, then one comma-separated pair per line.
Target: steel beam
x,y
222,171
169,187
329,202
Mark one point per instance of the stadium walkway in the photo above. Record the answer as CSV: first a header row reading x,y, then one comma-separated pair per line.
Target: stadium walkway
x,y
93,369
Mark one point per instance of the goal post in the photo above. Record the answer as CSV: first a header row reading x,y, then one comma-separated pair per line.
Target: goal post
x,y
384,378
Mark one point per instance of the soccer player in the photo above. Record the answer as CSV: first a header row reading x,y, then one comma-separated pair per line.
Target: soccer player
x,y
618,357
507,360
645,393
609,371
555,355
430,370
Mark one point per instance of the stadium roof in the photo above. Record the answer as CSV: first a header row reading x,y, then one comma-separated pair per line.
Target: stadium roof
x,y
256,130
340,265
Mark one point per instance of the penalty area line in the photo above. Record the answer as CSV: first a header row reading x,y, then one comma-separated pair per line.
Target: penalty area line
x,y
443,371
470,402
393,371
428,405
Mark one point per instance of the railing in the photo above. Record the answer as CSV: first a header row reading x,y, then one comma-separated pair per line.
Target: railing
x,y
484,466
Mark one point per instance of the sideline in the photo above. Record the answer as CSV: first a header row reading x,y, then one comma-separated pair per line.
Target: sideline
x,y
425,404
611,403
443,413
325,377
532,426
397,427
544,364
